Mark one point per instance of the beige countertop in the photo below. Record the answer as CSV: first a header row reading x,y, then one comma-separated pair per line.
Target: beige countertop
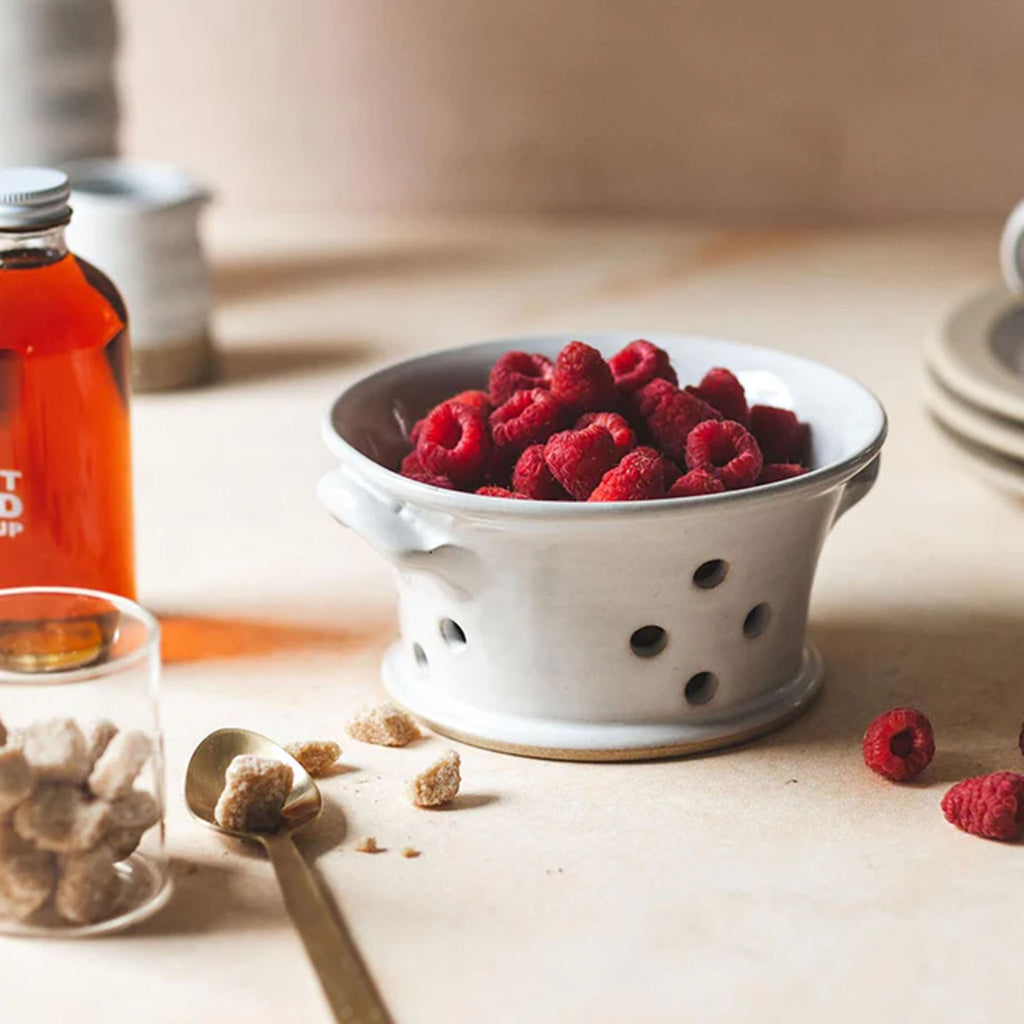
x,y
779,881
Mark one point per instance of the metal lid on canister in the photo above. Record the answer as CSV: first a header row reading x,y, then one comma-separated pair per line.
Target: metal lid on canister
x,y
33,197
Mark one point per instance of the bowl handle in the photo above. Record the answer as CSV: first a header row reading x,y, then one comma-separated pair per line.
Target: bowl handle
x,y
857,487
409,539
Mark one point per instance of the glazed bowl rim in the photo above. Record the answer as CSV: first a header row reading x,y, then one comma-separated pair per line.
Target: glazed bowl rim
x,y
413,492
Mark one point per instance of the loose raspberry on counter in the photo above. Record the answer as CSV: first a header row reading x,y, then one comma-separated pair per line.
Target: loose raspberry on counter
x,y
578,459
582,381
455,442
413,469
695,483
518,371
528,417
670,414
778,432
532,478
638,364
616,425
899,744
500,492
640,476
724,449
722,390
776,471
991,806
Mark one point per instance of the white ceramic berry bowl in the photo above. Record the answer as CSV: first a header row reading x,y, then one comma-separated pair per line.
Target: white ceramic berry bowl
x,y
606,631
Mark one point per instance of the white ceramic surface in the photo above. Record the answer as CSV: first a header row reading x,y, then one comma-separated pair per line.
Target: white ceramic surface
x,y
1000,436
139,223
978,353
1011,249
518,618
59,97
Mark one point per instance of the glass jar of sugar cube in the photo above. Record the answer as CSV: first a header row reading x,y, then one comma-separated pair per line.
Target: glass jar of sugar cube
x,y
81,763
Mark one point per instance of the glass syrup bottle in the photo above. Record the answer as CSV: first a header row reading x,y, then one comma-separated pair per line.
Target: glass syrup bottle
x,y
65,445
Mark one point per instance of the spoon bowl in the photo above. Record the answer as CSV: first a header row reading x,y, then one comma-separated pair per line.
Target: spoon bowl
x,y
204,781
345,981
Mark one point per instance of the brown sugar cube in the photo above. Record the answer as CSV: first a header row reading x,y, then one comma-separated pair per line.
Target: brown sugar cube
x,y
368,844
10,842
15,778
316,756
98,737
387,725
130,817
56,750
26,880
120,764
62,819
87,886
255,790
439,784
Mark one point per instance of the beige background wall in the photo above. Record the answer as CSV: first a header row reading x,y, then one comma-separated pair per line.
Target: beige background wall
x,y
734,107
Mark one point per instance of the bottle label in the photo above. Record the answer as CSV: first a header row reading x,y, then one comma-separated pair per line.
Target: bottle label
x,y
11,505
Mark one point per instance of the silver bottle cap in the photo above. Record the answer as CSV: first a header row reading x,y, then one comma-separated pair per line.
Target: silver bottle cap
x,y
33,197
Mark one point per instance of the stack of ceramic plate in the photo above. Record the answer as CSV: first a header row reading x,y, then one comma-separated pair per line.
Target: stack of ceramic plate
x,y
975,386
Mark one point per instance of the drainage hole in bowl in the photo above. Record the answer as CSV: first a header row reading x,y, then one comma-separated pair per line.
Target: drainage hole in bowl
x,y
701,688
648,641
421,657
709,574
454,635
757,620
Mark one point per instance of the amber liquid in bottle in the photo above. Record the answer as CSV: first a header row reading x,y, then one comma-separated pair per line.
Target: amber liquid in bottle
x,y
65,445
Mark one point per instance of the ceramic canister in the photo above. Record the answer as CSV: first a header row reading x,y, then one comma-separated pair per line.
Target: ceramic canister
x,y
602,631
59,95
139,223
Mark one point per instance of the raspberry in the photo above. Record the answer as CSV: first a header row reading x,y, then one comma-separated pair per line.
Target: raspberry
x,y
478,399
638,364
622,433
532,478
518,371
578,459
780,471
670,414
639,476
726,450
694,483
528,417
671,470
778,433
413,469
988,805
899,744
500,492
454,442
582,380
724,392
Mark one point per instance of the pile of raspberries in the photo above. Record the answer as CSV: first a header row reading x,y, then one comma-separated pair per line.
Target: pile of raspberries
x,y
583,429
899,744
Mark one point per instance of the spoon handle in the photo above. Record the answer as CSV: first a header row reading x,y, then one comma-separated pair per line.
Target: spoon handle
x,y
346,983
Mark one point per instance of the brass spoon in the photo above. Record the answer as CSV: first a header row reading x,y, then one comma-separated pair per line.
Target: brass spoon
x,y
345,981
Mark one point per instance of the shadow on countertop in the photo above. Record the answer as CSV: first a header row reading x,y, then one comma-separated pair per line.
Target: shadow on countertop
x,y
265,276
247,364
964,670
